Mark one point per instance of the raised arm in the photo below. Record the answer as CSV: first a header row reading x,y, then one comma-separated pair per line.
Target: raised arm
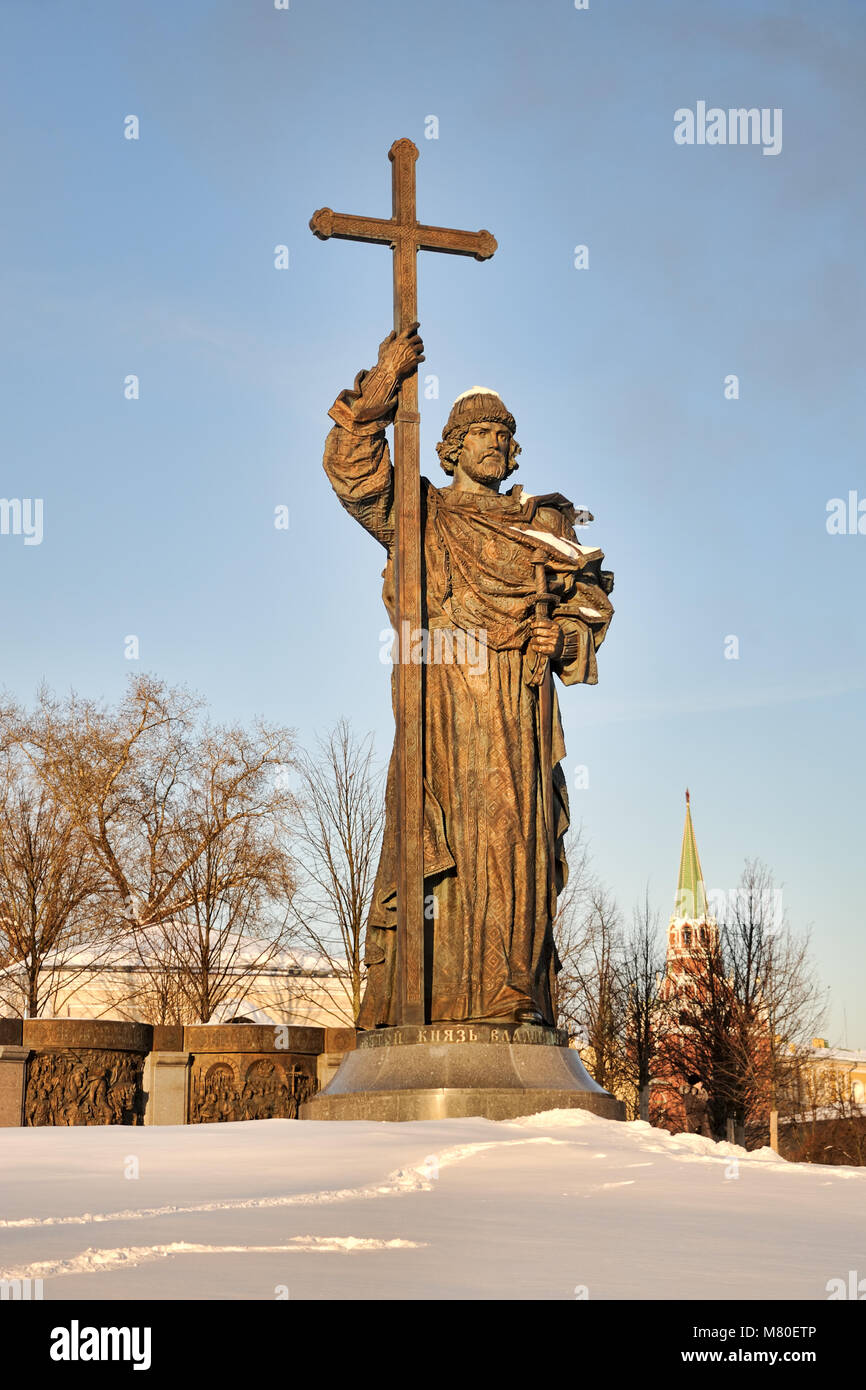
x,y
357,459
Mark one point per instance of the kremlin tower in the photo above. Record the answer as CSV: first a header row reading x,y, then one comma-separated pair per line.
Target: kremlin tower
x,y
693,935
692,931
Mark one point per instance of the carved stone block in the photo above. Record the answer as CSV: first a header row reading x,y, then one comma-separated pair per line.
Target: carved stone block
x,y
84,1086
241,1086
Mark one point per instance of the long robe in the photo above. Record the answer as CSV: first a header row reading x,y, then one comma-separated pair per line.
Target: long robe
x,y
489,884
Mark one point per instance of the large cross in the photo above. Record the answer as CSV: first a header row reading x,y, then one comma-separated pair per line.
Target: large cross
x,y
406,237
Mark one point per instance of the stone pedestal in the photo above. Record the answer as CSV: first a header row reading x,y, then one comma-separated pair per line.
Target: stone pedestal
x,y
165,1083
338,1041
13,1077
445,1070
327,1066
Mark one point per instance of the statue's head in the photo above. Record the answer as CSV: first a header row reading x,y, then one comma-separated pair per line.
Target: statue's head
x,y
479,436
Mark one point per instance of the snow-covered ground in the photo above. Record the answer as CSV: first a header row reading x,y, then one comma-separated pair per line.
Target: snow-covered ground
x,y
560,1205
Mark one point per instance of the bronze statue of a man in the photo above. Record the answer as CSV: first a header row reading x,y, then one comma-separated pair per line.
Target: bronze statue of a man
x,y
493,837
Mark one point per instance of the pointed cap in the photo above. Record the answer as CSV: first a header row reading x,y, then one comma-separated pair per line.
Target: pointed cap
x,y
691,903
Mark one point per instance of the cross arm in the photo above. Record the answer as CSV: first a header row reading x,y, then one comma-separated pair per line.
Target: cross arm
x,y
481,244
344,226
326,223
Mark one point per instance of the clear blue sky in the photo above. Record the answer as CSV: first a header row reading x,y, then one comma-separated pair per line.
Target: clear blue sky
x,y
156,257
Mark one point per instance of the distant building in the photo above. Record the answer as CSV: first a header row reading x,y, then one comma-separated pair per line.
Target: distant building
x,y
815,1083
830,1078
679,1097
264,985
692,931
824,1116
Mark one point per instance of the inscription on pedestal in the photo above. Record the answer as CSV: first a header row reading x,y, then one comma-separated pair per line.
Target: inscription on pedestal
x,y
521,1033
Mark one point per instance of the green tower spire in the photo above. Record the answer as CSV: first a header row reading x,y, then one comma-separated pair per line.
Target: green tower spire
x,y
691,903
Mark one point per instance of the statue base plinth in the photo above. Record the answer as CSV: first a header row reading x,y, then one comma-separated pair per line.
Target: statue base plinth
x,y
449,1070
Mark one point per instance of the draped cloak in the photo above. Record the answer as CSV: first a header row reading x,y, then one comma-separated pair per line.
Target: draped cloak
x,y
489,948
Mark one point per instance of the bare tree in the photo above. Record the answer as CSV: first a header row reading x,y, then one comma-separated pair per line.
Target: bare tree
x,y
602,984
695,1033
338,833
605,992
185,820
642,967
748,993
121,776
239,879
156,994
774,978
570,931
50,884
591,996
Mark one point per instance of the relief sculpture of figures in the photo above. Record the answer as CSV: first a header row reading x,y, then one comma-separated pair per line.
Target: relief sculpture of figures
x,y
85,1087
509,596
268,1091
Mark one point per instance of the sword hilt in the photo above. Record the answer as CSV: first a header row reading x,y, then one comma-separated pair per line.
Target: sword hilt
x,y
543,599
543,596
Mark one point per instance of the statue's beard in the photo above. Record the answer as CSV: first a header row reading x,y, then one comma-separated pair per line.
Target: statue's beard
x,y
492,468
